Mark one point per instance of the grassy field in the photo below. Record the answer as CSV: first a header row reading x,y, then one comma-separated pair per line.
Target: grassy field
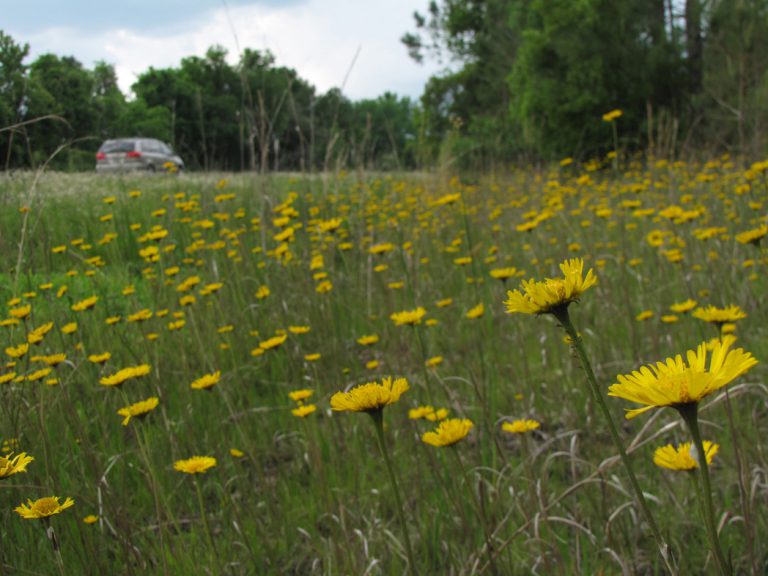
x,y
262,286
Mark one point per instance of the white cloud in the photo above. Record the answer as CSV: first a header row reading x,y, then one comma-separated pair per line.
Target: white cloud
x,y
319,38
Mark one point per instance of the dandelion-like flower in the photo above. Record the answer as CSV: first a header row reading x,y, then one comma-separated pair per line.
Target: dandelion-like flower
x,y
43,508
300,395
304,411
719,316
676,382
122,376
683,457
10,464
553,293
683,307
408,317
85,304
448,432
274,342
476,312
138,410
207,381
370,397
520,426
753,236
195,465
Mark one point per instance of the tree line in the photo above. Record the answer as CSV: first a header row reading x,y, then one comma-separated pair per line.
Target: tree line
x,y
531,79
254,115
524,80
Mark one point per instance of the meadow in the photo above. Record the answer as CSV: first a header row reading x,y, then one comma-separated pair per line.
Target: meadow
x,y
152,319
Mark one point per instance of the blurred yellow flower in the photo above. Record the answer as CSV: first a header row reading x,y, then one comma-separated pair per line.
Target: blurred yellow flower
x,y
195,465
138,410
448,432
520,426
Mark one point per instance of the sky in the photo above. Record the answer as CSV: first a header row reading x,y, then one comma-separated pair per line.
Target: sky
x,y
326,41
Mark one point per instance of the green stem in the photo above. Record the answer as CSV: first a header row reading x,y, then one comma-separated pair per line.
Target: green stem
x,y
562,316
205,518
51,534
480,509
378,424
690,413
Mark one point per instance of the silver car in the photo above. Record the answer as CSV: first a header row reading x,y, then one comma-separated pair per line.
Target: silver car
x,y
145,154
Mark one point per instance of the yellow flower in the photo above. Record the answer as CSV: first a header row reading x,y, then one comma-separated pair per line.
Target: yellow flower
x,y
312,357
262,292
370,397
408,317
5,378
304,411
298,329
433,362
420,412
437,415
675,382
99,358
683,307
444,302
140,316
10,465
195,465
207,381
235,453
612,115
520,426
684,457
476,312
36,336
504,274
69,328
17,351
86,304
39,374
300,395
91,519
274,342
644,315
122,376
139,409
715,315
21,312
552,293
43,508
448,433
753,236
368,340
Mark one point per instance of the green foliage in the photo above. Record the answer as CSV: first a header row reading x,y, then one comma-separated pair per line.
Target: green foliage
x,y
255,115
532,78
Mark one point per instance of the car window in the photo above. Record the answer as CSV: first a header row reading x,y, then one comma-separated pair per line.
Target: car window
x,y
150,146
116,146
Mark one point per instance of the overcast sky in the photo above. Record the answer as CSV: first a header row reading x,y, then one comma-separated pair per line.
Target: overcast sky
x,y
319,38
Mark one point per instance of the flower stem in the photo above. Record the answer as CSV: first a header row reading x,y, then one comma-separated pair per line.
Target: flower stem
x,y
205,518
565,321
378,424
690,413
51,534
